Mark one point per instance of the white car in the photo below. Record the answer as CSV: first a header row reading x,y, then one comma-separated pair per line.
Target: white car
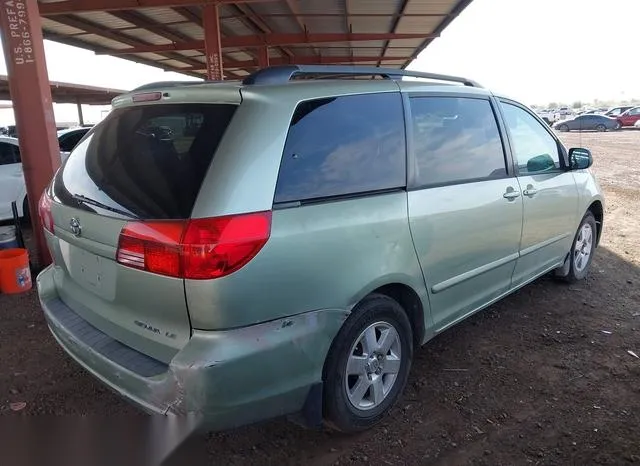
x,y
637,124
12,185
11,179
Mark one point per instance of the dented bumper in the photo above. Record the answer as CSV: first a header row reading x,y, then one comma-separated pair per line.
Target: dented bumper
x,y
227,378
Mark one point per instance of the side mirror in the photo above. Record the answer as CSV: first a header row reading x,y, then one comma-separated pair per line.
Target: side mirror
x,y
540,163
580,158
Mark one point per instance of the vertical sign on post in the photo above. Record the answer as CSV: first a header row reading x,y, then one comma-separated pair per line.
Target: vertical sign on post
x,y
211,24
23,46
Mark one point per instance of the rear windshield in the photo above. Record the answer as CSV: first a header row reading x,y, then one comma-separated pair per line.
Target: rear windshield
x,y
144,162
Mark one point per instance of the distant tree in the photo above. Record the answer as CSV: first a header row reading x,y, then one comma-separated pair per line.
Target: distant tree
x,y
553,105
577,104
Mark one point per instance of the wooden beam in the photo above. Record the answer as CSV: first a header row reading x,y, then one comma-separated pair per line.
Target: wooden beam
x,y
271,40
78,6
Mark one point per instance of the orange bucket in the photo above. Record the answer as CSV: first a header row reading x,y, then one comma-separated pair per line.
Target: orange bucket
x,y
15,275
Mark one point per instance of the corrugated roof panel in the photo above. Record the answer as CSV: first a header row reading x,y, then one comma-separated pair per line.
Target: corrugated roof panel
x,y
417,24
326,24
176,64
237,27
104,19
321,6
369,24
284,24
94,39
430,6
150,56
191,30
146,36
161,15
399,52
58,28
239,56
304,50
387,7
405,43
361,52
232,24
190,53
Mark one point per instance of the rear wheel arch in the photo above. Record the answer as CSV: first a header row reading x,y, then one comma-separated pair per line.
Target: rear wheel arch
x,y
597,210
410,303
408,298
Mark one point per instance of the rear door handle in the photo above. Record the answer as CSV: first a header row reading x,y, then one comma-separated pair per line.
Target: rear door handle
x,y
511,194
530,191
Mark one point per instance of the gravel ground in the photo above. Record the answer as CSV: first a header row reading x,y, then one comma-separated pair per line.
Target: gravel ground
x,y
543,377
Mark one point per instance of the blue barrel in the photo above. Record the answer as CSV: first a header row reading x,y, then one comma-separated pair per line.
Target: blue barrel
x,y
8,238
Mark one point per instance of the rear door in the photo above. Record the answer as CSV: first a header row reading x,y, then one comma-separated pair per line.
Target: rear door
x,y
550,195
143,162
585,122
465,207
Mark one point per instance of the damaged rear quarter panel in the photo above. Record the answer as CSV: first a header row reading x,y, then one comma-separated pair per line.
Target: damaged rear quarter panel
x,y
246,374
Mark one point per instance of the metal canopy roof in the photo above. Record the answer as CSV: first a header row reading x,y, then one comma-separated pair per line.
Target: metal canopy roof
x,y
67,93
169,34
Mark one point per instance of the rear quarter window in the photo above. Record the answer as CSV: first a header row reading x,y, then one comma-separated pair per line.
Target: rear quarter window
x,y
343,146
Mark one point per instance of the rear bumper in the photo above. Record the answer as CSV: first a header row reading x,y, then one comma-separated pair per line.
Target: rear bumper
x,y
228,378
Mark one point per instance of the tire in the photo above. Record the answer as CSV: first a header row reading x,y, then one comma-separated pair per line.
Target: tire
x,y
601,128
347,407
564,128
617,127
581,254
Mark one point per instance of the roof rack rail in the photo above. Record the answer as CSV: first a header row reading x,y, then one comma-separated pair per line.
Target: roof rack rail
x,y
284,73
164,84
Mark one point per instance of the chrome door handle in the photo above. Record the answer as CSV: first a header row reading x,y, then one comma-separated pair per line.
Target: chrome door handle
x,y
530,192
511,194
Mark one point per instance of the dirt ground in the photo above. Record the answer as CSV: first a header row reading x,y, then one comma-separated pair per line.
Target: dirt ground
x,y
543,377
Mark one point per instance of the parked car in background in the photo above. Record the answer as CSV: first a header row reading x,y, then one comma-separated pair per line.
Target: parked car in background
x,y
565,112
240,267
12,185
630,117
636,124
69,138
617,111
588,122
549,116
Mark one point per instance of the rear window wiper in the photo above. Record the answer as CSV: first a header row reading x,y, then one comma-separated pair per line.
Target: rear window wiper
x,y
87,200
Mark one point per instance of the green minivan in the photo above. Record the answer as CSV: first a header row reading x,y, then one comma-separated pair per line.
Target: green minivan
x,y
280,246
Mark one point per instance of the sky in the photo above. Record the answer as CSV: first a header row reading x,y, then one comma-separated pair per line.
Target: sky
x,y
539,51
536,51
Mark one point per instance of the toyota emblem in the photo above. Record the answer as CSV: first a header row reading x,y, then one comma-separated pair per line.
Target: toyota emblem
x,y
76,229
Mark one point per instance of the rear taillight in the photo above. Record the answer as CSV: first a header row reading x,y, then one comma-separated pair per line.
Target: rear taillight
x,y
197,249
44,212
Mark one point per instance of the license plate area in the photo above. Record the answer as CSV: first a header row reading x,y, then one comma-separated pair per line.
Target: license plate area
x,y
91,271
